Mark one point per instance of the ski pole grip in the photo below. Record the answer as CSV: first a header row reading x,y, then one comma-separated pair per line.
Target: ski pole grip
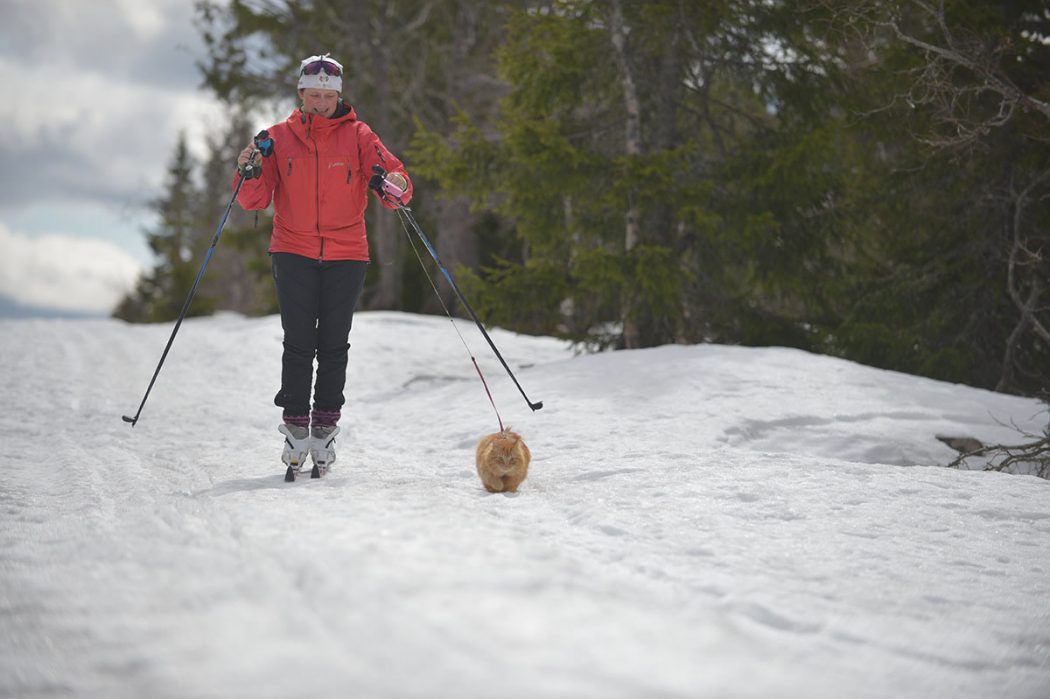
x,y
248,170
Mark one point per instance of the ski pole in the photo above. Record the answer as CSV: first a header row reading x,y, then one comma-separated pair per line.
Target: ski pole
x,y
263,144
395,193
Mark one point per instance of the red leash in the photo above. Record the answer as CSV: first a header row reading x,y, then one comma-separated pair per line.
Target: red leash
x,y
453,321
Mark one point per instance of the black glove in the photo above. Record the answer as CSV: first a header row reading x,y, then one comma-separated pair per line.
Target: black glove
x,y
376,183
250,171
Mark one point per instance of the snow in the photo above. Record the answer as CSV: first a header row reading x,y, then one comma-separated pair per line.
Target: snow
x,y
698,521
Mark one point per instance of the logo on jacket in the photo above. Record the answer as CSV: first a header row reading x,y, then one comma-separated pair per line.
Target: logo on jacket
x,y
331,165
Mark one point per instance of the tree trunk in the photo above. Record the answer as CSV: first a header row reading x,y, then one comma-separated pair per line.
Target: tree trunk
x,y
457,244
385,238
633,148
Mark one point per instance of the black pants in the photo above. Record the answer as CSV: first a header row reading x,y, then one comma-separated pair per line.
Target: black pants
x,y
317,301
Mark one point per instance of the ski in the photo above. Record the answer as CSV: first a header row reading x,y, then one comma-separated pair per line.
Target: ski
x,y
292,474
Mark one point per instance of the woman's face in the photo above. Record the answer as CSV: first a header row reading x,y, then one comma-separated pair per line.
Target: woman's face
x,y
320,102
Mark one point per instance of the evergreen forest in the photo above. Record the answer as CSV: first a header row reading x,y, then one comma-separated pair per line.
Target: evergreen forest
x,y
865,179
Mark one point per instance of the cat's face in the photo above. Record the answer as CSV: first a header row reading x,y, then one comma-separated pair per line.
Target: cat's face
x,y
506,452
510,454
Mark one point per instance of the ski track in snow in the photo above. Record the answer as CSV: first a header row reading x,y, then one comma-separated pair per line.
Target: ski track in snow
x,y
698,522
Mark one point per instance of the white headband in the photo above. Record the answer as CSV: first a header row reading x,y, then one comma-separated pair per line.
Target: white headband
x,y
321,80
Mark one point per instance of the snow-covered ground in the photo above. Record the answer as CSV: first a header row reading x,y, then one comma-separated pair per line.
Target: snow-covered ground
x,y
700,521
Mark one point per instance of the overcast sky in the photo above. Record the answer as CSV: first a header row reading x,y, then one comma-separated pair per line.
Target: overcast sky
x,y
93,95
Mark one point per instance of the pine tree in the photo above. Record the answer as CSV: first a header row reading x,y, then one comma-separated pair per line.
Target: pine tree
x,y
239,275
627,157
951,283
861,179
160,293
408,63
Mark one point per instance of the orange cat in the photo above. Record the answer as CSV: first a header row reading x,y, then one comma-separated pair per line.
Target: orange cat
x,y
503,461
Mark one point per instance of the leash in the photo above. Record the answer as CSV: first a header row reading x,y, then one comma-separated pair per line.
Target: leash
x,y
408,234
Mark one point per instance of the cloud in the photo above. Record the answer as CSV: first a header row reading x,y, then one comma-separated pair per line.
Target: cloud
x,y
119,153
65,272
137,41
94,95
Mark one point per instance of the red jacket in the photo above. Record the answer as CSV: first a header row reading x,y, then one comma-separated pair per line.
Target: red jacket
x,y
317,178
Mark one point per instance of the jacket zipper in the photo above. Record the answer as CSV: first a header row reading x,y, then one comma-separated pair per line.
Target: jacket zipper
x,y
317,172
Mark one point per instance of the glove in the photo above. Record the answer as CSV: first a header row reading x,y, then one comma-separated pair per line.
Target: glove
x,y
376,184
250,171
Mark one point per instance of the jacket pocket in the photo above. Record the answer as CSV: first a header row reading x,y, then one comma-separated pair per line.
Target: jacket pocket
x,y
289,166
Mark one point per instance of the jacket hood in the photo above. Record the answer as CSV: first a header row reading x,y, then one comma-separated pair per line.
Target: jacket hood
x,y
320,122
301,123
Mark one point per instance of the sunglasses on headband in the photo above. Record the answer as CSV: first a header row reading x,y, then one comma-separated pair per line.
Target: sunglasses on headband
x,y
329,67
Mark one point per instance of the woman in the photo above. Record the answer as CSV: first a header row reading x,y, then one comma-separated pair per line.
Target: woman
x,y
318,177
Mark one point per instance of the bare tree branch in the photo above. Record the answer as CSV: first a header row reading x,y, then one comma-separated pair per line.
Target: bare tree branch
x,y
993,80
1031,458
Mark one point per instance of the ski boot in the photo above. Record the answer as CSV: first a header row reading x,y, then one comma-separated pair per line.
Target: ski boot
x,y
322,448
297,445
